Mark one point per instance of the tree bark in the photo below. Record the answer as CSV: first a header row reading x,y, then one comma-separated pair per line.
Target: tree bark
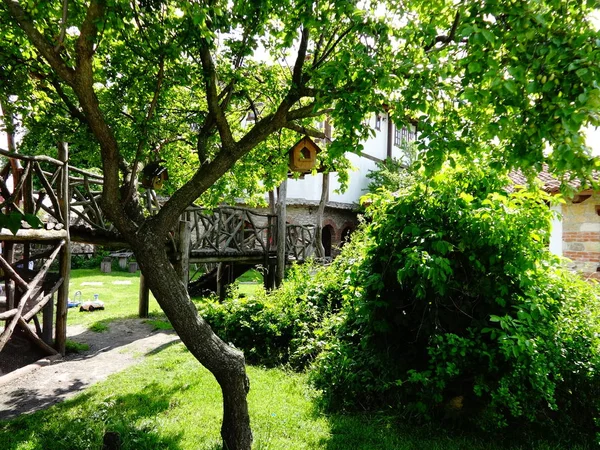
x,y
281,232
225,362
319,226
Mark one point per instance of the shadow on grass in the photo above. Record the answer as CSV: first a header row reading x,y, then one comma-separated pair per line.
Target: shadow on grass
x,y
81,423
380,431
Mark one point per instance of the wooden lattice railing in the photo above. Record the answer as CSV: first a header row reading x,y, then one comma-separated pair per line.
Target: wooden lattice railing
x,y
300,241
34,191
230,229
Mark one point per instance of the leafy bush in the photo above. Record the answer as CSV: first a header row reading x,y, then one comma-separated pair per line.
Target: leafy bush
x,y
281,327
453,307
84,262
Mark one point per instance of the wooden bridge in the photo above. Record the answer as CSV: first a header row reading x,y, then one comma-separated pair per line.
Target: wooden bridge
x,y
68,200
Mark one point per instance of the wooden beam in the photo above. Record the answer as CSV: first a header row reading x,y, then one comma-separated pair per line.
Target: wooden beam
x,y
33,235
8,314
35,339
30,158
37,308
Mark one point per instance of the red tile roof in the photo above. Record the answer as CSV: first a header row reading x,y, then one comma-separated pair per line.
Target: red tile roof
x,y
551,183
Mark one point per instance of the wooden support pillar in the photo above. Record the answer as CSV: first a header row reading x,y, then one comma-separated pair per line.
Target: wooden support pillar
x,y
9,256
65,254
224,271
182,266
47,319
281,232
144,298
269,276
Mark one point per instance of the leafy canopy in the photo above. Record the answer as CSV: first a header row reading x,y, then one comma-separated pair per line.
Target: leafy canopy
x,y
517,76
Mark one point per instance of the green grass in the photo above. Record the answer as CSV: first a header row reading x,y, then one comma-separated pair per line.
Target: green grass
x,y
120,299
252,275
76,347
170,402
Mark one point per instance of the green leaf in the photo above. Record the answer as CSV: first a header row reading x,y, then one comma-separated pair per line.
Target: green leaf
x,y
33,220
12,222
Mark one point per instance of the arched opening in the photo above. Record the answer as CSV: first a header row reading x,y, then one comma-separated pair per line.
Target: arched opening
x,y
326,238
346,232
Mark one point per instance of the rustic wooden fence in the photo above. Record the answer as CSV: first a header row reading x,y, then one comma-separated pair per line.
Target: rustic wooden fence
x,y
35,213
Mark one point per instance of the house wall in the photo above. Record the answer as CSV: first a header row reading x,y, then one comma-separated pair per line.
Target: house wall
x,y
309,187
581,235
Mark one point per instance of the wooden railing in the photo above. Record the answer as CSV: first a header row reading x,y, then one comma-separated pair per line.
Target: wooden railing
x,y
300,242
34,191
229,229
33,188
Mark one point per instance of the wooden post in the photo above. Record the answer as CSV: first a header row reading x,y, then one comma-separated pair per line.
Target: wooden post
x,y
65,254
183,264
281,228
9,256
47,318
144,298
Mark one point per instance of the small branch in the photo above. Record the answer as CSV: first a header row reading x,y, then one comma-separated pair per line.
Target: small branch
x,y
445,39
327,52
73,110
306,112
39,41
297,73
306,131
63,26
212,98
142,141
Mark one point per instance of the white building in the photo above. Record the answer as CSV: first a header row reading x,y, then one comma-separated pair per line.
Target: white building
x,y
340,216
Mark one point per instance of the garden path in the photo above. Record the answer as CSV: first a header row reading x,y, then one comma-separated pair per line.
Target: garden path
x,y
126,342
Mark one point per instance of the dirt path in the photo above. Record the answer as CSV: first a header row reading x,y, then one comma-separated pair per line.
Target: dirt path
x,y
125,343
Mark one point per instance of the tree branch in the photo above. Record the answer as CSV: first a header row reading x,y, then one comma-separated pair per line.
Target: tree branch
x,y
39,41
87,37
297,73
63,26
214,108
449,37
328,51
305,131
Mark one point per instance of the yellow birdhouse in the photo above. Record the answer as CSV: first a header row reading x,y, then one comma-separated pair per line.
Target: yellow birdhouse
x,y
303,155
154,175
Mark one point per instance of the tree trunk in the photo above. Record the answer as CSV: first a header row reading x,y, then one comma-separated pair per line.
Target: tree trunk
x,y
225,362
281,232
319,226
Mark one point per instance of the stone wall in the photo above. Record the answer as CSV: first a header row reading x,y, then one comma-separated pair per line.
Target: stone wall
x,y
581,235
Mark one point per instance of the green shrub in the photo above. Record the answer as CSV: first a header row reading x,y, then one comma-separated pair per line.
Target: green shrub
x,y
84,262
454,308
281,327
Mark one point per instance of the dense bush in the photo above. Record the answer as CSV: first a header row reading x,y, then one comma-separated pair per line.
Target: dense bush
x,y
88,262
453,307
281,327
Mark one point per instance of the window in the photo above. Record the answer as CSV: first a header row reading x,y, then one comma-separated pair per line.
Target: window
x,y
378,122
404,135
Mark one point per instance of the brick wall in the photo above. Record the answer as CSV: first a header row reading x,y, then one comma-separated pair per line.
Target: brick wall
x,y
581,235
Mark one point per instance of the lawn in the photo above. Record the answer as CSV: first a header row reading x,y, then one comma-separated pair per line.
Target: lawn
x,y
170,402
118,290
